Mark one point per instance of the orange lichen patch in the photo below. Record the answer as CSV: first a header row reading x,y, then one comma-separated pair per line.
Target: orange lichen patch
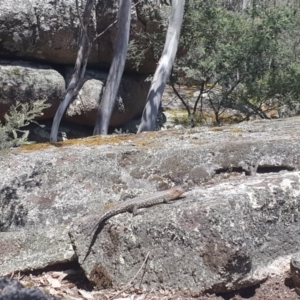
x,y
35,146
109,206
89,141
235,130
149,138
138,139
96,140
216,129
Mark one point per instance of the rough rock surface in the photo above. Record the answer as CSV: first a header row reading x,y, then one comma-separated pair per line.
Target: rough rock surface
x,y
48,31
12,290
130,102
22,81
231,231
222,237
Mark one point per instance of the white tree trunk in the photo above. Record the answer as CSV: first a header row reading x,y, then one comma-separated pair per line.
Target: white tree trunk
x,y
244,5
164,67
79,71
116,69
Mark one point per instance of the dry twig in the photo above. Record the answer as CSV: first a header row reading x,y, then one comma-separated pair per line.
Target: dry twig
x,y
128,285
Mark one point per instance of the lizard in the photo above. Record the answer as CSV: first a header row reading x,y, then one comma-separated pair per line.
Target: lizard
x,y
143,201
176,192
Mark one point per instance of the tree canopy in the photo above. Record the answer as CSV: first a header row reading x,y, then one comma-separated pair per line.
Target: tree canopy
x,y
241,58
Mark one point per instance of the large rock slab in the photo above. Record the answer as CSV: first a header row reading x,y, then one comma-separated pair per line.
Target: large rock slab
x,y
236,229
23,81
222,237
27,249
49,30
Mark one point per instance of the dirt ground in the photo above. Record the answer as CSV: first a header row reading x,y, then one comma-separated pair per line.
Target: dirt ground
x,y
69,282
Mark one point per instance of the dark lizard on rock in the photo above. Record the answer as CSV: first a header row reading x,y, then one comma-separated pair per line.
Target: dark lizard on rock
x,y
133,205
143,201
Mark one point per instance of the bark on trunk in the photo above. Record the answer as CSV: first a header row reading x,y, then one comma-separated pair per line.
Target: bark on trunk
x,y
116,69
164,67
79,71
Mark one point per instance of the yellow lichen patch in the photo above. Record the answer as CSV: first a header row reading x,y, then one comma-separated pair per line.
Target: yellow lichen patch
x,y
29,284
235,130
36,146
216,129
138,139
108,206
16,71
96,140
147,138
89,141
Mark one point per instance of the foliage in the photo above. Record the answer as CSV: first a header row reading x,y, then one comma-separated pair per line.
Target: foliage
x,y
242,60
19,115
155,15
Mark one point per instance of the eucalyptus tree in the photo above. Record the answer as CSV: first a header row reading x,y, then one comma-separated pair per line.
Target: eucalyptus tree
x,y
161,75
116,69
76,82
163,70
85,46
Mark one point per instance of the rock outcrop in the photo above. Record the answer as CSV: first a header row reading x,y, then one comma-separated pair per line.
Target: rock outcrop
x,y
232,230
48,31
220,238
39,41
22,81
130,102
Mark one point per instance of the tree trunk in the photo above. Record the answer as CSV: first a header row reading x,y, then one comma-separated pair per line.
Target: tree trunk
x,y
116,69
79,71
244,6
164,67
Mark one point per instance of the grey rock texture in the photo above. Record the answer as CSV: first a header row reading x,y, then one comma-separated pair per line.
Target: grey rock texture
x,y
129,104
12,290
231,230
48,31
223,237
23,81
26,247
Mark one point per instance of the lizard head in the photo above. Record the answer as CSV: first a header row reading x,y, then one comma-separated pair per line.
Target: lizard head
x,y
178,190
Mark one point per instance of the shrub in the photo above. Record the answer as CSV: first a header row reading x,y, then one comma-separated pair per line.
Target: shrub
x,y
18,116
